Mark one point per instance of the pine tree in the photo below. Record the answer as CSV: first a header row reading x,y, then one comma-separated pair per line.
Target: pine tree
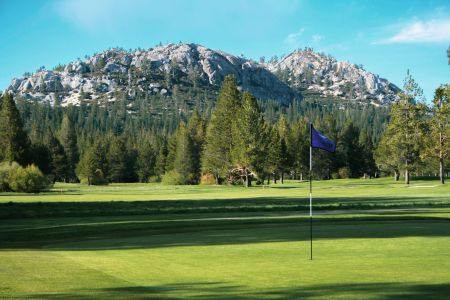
x,y
184,163
14,142
58,159
146,161
248,137
387,157
219,136
197,131
352,152
368,161
297,144
93,164
117,160
286,160
161,158
438,139
68,140
274,155
406,126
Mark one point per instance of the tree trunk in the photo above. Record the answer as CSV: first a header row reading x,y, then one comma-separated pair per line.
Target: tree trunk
x,y
268,180
441,170
274,178
247,183
301,176
396,176
407,174
282,178
216,178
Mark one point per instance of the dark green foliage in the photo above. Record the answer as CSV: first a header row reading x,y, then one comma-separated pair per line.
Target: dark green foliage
x,y
219,135
59,165
68,140
248,138
161,159
40,156
197,131
146,161
14,141
117,159
297,144
351,150
93,164
438,139
182,170
405,131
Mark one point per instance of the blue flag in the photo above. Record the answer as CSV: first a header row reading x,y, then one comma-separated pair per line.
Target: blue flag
x,y
320,141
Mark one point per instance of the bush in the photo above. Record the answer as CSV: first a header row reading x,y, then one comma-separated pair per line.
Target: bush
x,y
172,178
99,178
207,179
344,172
29,180
6,168
152,179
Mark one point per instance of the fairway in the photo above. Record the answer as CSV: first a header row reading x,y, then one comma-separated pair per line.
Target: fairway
x,y
384,241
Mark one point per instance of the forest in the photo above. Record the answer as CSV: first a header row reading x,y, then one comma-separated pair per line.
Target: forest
x,y
233,139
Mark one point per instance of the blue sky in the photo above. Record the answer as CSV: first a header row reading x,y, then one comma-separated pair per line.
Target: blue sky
x,y
387,37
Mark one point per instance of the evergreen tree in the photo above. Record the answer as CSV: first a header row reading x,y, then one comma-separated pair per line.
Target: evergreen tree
x,y
406,126
248,137
117,160
297,144
93,164
68,138
58,160
184,163
352,152
219,135
438,139
368,162
161,158
283,130
387,157
146,161
197,131
274,156
14,142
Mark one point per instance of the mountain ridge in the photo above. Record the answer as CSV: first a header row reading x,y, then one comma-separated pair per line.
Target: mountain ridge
x,y
158,70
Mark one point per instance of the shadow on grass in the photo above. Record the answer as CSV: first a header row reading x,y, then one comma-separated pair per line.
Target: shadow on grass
x,y
121,235
223,291
10,210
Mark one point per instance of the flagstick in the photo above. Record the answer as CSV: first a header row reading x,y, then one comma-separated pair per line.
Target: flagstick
x,y
310,189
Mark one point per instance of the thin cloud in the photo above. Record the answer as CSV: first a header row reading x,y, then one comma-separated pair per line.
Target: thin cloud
x,y
317,38
433,31
293,39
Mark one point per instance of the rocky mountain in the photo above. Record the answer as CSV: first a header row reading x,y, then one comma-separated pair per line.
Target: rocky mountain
x,y
163,69
313,72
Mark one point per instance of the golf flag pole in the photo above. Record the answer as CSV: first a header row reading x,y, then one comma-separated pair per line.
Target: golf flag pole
x,y
310,189
320,141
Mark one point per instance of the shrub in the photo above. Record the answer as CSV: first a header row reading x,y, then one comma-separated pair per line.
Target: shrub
x,y
99,178
344,172
29,180
207,179
6,168
172,178
152,179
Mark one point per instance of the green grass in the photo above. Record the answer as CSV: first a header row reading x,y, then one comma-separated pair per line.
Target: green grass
x,y
136,199
246,245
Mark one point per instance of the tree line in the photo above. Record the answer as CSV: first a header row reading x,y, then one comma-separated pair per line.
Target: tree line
x,y
235,143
